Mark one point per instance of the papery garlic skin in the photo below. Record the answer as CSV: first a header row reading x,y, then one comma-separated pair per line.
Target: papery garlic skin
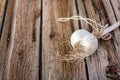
x,y
86,39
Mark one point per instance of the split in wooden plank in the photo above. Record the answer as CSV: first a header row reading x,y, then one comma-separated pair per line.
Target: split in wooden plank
x,y
19,45
3,6
5,38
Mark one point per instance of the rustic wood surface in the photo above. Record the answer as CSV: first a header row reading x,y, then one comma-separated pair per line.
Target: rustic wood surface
x,y
2,11
31,34
2,3
19,45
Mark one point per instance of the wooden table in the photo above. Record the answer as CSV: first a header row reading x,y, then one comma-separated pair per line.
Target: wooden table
x,y
30,33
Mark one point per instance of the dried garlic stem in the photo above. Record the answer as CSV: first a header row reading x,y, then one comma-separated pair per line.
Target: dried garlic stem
x,y
111,28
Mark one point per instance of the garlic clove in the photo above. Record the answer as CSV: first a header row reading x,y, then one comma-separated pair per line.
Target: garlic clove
x,y
87,40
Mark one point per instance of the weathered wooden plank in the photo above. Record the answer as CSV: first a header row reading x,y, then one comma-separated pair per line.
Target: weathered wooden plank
x,y
2,13
19,45
54,32
113,16
4,41
106,53
2,5
116,8
96,68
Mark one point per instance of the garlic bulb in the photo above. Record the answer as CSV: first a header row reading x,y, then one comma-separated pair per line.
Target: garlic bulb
x,y
87,40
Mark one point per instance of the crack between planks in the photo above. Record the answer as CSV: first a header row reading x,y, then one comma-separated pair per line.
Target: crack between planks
x,y
103,7
3,18
79,23
40,43
76,5
113,10
85,60
96,10
85,8
86,67
83,2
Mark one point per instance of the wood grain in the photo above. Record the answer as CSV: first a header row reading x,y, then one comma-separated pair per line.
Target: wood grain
x,y
101,11
19,44
2,5
53,33
2,12
31,32
105,56
5,40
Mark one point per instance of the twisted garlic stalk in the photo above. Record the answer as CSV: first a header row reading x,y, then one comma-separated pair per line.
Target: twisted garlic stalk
x,y
111,28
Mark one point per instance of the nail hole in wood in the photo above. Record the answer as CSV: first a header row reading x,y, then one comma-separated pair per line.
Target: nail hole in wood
x,y
52,35
118,8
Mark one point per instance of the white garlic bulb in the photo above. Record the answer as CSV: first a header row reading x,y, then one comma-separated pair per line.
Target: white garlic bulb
x,y
86,39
